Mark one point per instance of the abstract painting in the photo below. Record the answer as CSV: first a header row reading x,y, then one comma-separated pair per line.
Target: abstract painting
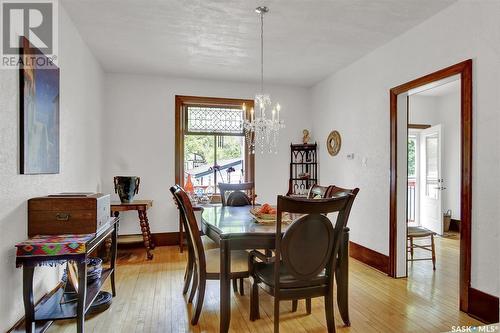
x,y
39,91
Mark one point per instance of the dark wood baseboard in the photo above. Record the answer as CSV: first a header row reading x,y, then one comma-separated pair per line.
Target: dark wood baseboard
x,y
159,239
483,306
369,257
166,238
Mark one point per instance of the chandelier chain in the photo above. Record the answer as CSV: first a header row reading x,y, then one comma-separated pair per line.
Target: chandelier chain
x,y
262,52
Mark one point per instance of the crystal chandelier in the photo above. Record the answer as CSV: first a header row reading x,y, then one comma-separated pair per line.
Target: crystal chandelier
x,y
262,130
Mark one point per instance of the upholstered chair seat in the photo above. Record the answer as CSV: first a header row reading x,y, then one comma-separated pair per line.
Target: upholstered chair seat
x,y
239,261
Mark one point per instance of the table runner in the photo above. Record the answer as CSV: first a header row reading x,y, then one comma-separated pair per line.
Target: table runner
x,y
59,247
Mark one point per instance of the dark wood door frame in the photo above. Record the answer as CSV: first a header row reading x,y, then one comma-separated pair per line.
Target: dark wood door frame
x,y
464,69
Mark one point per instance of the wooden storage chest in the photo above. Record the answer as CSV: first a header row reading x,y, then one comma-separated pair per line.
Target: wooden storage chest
x,y
68,213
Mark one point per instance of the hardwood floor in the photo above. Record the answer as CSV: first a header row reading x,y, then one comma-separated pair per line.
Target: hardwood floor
x,y
150,299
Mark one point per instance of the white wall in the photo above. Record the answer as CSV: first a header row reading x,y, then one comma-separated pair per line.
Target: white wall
x,y
444,110
139,138
80,157
355,101
422,110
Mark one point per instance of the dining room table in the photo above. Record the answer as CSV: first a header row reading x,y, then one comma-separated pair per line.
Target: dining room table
x,y
235,228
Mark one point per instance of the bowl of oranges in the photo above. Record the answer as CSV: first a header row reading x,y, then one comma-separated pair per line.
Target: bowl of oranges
x,y
264,212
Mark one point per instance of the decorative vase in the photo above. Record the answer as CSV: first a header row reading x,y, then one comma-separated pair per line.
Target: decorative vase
x,y
127,187
188,187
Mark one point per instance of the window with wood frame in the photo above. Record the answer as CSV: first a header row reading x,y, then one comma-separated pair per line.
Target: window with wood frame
x,y
210,145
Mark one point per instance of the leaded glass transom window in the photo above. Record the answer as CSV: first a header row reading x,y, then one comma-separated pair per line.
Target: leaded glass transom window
x,y
215,120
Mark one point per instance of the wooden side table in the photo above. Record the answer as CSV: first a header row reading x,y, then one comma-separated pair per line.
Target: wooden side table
x,y
58,249
141,206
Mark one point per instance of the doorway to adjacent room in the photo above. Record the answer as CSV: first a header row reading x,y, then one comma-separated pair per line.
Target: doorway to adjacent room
x,y
422,205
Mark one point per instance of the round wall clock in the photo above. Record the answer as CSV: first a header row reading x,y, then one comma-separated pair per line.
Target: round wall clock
x,y
333,143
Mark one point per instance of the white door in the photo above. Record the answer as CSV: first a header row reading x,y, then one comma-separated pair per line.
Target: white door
x,y
431,182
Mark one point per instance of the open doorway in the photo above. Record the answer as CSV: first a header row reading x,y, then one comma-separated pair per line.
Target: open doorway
x,y
428,137
434,157
433,191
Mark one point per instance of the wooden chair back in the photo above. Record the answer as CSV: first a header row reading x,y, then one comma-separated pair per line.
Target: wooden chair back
x,y
318,191
307,245
335,191
239,200
311,243
178,205
191,226
183,218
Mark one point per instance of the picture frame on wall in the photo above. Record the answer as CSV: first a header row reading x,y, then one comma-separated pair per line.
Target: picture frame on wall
x,y
39,112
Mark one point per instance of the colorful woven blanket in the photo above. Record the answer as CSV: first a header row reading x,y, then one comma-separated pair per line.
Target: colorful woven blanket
x,y
53,245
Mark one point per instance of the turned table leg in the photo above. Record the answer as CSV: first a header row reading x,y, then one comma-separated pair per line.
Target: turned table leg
x,y
106,253
151,241
145,233
108,243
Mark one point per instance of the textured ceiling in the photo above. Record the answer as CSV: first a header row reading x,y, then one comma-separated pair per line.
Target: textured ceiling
x,y
219,39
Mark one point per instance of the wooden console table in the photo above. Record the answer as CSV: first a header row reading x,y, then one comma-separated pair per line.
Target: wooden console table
x,y
63,248
141,206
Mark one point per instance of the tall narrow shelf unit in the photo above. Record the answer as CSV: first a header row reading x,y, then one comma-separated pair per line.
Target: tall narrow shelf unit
x,y
303,169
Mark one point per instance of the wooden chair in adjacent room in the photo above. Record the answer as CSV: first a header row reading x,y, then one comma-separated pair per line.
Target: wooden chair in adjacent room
x,y
206,263
419,232
305,261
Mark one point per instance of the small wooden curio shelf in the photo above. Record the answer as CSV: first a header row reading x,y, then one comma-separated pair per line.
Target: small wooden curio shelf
x,y
303,169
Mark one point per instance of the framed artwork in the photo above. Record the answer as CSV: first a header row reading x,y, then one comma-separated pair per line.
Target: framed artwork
x,y
39,119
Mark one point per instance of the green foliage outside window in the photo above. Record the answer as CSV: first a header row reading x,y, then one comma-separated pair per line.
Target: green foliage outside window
x,y
411,157
202,145
229,147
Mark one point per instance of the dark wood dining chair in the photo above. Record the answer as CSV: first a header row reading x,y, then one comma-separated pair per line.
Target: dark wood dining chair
x,y
305,260
241,194
206,263
336,191
207,245
318,192
330,191
342,299
237,194
315,192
